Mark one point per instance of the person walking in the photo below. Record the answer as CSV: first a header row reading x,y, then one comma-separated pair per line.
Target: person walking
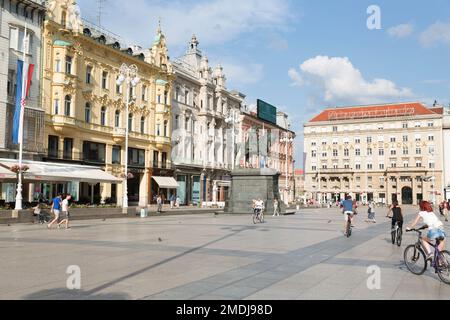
x,y
177,202
371,212
159,203
172,200
65,211
56,208
276,208
446,210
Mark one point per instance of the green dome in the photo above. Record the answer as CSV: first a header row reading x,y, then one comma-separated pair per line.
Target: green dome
x,y
62,43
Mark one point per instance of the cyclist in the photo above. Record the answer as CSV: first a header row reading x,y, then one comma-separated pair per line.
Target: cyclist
x,y
435,227
397,215
348,208
259,206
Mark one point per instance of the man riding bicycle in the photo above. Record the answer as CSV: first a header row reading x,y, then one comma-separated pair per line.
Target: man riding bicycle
x,y
259,206
348,208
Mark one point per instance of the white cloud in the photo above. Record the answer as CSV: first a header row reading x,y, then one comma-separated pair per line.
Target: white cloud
x,y
213,21
401,31
243,74
340,82
438,33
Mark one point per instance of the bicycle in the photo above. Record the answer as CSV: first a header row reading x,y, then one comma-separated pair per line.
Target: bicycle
x,y
348,230
396,234
258,216
415,256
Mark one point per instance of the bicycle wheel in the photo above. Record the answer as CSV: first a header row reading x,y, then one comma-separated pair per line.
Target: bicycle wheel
x,y
255,218
443,266
349,228
399,237
261,217
415,260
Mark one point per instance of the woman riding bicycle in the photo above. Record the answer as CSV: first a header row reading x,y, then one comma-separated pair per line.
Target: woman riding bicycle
x,y
397,216
435,227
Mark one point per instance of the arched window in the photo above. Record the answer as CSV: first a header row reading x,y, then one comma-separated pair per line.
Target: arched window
x,y
67,105
117,119
142,125
165,128
87,113
103,116
130,122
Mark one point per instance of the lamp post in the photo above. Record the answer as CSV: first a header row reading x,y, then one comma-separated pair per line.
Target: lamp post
x,y
286,139
128,75
233,119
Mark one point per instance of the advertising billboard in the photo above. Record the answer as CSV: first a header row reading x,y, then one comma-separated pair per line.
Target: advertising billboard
x,y
267,112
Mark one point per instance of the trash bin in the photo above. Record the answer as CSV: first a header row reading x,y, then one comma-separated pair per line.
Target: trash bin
x,y
144,213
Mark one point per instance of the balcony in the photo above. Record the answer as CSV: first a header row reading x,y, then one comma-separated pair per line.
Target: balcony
x,y
76,157
162,109
63,125
335,171
161,165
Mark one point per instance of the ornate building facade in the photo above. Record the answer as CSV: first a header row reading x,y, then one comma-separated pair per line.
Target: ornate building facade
x,y
85,107
202,138
375,153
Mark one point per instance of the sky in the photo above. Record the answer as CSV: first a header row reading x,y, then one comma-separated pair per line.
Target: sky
x,y
303,56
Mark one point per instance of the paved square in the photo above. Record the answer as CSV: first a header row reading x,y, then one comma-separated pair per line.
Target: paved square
x,y
211,257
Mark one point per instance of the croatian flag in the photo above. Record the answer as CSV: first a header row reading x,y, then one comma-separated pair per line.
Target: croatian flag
x,y
24,75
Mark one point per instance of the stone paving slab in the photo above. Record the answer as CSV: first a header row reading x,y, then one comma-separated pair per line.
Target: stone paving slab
x,y
303,256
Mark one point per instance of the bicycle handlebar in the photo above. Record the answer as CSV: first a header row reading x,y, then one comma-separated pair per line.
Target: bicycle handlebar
x,y
417,230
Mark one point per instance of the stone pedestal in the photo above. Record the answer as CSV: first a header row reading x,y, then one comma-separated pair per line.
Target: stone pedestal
x,y
249,184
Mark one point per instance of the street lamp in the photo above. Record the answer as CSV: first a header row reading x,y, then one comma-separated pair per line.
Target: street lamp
x,y
128,75
286,139
233,119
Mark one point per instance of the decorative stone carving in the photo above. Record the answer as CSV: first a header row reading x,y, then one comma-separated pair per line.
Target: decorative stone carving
x,y
74,21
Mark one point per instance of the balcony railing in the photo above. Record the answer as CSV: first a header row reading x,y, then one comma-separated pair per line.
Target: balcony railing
x,y
72,157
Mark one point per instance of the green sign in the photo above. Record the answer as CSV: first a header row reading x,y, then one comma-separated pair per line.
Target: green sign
x,y
267,111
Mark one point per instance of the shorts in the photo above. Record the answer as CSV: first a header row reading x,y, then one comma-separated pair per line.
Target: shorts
x,y
436,233
56,212
65,215
347,213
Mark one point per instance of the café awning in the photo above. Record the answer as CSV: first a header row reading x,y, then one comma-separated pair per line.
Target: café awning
x,y
62,172
166,182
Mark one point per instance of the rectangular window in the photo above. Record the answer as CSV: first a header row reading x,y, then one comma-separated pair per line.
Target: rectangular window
x,y
144,93
405,138
56,107
68,146
335,129
357,152
405,126
419,164
136,157
431,150
369,166
393,152
57,65
158,129
116,154
105,80
357,140
314,168
53,143
369,139
177,122
381,166
430,138
405,151
431,165
155,159
68,65
430,124
88,74
381,152
313,154
94,152
164,160
418,151
369,151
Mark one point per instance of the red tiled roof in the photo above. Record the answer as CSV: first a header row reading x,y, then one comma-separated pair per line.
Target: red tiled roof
x,y
374,111
438,110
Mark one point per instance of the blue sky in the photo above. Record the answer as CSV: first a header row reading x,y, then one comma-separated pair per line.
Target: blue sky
x,y
303,56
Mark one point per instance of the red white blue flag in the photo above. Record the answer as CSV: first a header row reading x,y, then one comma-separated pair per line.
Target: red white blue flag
x,y
24,76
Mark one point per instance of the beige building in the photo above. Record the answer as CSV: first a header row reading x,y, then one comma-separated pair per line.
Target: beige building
x,y
85,108
375,153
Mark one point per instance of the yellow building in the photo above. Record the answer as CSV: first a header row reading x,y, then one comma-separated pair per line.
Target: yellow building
x,y
86,109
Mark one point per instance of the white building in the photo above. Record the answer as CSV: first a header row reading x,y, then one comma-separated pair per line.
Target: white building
x,y
202,141
378,153
446,155
14,16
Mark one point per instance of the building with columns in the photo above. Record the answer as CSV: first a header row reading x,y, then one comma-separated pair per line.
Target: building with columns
x,y
86,109
14,16
202,136
375,153
446,153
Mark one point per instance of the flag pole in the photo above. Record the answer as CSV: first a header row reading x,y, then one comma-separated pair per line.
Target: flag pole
x,y
19,196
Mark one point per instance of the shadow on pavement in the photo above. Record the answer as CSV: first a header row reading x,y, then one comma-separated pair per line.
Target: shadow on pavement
x,y
65,294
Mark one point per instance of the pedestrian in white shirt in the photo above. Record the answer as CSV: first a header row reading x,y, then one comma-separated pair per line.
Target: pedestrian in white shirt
x,y
65,211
